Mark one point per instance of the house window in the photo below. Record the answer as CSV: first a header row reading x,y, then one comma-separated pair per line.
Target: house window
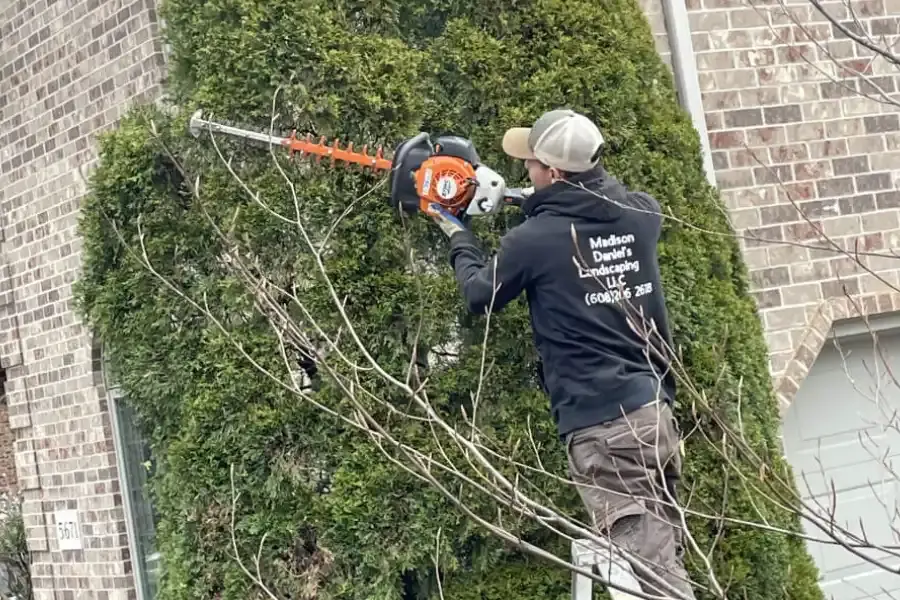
x,y
136,466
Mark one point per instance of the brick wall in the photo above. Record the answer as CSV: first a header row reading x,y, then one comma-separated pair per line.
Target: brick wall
x,y
782,131
802,159
67,70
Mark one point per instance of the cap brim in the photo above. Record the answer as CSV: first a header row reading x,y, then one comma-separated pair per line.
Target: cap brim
x,y
515,143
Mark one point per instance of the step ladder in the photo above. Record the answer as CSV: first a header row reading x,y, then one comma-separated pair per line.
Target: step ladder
x,y
588,554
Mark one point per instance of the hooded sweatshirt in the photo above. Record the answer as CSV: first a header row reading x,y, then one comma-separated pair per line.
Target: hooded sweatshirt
x,y
586,259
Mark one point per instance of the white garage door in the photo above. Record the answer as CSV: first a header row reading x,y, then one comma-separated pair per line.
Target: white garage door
x,y
841,437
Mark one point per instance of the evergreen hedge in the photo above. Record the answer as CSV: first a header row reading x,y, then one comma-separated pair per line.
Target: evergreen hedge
x,y
342,521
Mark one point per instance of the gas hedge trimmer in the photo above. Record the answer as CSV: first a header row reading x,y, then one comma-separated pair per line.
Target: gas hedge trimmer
x,y
444,175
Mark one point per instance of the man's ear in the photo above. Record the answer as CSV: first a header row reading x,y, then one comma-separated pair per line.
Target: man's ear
x,y
555,175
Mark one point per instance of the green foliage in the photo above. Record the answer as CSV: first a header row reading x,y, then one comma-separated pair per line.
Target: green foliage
x,y
15,559
341,519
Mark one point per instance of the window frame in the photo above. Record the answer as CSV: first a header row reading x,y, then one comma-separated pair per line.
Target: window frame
x,y
115,395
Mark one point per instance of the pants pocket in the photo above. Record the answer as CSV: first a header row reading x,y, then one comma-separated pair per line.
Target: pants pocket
x,y
600,485
620,516
581,450
632,435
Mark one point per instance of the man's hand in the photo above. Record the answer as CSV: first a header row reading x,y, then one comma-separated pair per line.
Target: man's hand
x,y
447,222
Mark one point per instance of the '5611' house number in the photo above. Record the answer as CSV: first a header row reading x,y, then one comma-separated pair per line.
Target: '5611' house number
x,y
68,531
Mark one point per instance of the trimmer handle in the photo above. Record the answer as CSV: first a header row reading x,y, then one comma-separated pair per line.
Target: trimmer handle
x,y
517,196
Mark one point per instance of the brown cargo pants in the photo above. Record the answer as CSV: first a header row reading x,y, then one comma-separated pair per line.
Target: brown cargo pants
x,y
620,468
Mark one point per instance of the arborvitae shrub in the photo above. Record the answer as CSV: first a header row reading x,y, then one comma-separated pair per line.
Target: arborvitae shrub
x,y
343,521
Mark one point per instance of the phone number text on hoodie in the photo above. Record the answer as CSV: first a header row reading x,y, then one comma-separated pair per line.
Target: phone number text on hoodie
x,y
617,295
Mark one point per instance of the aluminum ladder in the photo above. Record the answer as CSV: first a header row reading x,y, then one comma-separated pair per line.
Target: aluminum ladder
x,y
587,554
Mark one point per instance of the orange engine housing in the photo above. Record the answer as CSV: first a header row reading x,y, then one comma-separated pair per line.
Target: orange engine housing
x,y
445,180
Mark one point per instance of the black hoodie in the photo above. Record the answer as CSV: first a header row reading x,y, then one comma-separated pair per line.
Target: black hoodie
x,y
595,365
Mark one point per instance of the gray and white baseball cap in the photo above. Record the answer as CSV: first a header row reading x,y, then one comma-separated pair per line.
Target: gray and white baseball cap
x,y
561,138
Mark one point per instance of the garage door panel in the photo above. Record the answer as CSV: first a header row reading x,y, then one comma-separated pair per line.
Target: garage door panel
x,y
850,424
847,409
861,450
836,560
836,405
815,481
864,584
853,508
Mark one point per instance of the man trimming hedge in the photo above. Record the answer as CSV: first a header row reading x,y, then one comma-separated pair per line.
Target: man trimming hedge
x,y
586,258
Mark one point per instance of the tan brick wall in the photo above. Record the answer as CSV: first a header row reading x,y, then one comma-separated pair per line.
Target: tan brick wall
x,y
781,130
67,70
801,161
